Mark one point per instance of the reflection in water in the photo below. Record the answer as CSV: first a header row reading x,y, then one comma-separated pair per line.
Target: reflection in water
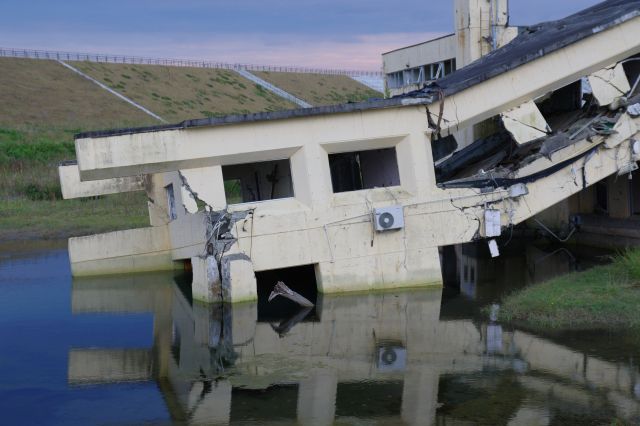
x,y
388,358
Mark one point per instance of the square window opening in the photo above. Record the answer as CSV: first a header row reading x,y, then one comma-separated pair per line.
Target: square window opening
x,y
252,182
353,171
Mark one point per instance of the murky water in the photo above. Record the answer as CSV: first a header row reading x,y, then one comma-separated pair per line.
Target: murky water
x,y
135,350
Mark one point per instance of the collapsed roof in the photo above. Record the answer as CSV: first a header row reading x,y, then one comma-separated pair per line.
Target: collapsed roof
x,y
532,43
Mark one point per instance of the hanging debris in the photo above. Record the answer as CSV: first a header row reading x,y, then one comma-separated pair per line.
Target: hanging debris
x,y
281,289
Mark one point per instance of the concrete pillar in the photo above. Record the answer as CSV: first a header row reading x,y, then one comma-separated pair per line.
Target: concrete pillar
x,y
206,285
237,283
420,397
619,197
210,403
243,326
481,26
311,176
162,336
157,199
317,398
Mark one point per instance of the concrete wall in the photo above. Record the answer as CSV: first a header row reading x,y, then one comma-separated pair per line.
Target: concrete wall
x,y
429,52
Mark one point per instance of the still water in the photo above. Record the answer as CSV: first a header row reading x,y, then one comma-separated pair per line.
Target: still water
x,y
136,350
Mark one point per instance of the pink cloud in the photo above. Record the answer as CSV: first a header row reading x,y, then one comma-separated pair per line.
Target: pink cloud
x,y
362,52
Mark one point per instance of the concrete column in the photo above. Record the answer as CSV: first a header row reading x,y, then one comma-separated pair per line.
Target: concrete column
x,y
619,197
317,398
311,176
210,403
415,164
162,322
206,285
157,203
237,283
481,26
420,397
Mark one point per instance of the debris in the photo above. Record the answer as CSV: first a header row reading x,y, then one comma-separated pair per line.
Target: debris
x,y
609,84
286,325
525,123
634,110
518,190
281,289
493,248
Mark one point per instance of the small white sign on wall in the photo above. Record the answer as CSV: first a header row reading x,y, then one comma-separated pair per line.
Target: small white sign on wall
x,y
492,227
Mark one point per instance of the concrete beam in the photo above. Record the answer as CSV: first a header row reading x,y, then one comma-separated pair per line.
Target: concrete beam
x,y
170,150
92,366
548,73
134,250
73,187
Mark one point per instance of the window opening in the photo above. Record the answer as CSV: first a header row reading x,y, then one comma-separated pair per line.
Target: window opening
x,y
251,182
353,171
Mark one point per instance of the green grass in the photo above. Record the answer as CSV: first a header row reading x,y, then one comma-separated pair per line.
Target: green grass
x,y
21,218
604,297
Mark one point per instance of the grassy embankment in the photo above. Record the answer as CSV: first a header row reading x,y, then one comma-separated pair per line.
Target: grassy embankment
x,y
42,105
320,89
604,297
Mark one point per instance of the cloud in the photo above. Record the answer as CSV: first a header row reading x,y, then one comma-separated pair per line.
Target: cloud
x,y
359,52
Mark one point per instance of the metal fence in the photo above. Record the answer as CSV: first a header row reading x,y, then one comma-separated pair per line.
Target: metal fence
x,y
139,60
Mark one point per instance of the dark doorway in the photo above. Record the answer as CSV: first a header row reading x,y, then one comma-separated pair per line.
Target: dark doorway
x,y
301,279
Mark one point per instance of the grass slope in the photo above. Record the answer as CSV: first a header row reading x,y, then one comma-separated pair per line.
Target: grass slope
x,y
39,94
43,104
179,93
604,297
320,89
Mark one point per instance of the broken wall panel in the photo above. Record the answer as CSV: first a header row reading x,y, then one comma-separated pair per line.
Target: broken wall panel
x,y
609,84
525,123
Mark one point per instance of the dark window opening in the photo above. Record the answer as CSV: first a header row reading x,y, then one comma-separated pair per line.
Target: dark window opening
x,y
275,404
369,400
443,147
602,197
560,108
632,70
171,202
183,280
353,171
267,180
301,279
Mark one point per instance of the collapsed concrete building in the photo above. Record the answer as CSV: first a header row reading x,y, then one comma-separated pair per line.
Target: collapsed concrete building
x,y
361,196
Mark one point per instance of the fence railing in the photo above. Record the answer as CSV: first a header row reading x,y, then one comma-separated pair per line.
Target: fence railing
x,y
141,60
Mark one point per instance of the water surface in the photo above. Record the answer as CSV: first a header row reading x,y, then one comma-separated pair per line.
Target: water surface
x,y
136,350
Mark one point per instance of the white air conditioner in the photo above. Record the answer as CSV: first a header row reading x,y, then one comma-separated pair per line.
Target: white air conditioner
x,y
388,218
391,358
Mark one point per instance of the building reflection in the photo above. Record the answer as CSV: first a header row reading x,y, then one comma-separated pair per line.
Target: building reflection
x,y
386,357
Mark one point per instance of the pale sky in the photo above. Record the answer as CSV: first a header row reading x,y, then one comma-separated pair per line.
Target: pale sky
x,y
346,34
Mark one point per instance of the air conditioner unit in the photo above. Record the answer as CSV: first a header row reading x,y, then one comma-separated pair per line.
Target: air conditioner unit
x,y
391,358
388,218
